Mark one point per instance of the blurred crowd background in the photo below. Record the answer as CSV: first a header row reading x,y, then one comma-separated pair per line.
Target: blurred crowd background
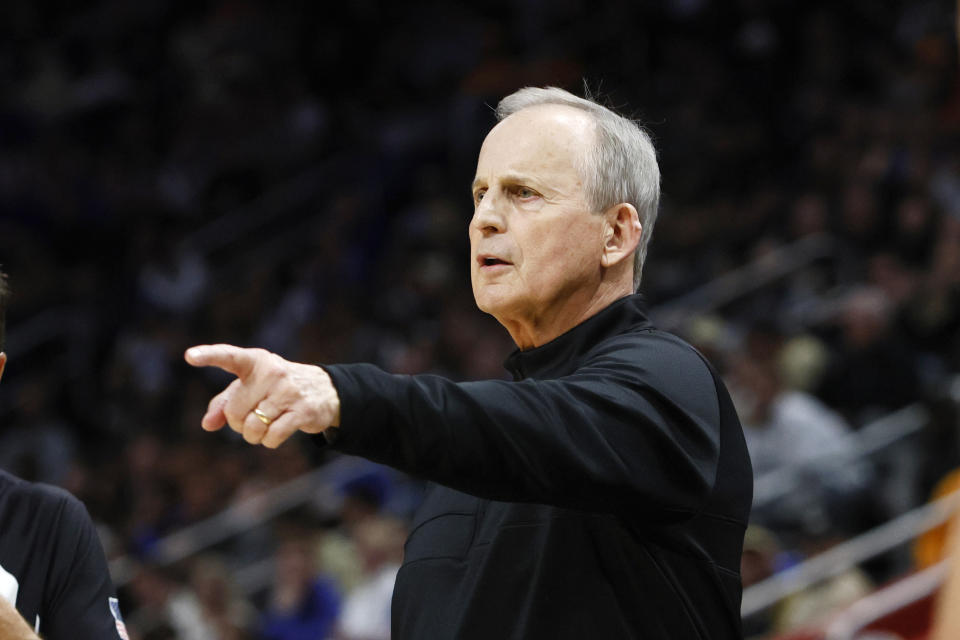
x,y
295,177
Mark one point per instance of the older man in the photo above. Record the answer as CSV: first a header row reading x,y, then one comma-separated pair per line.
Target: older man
x,y
602,494
53,574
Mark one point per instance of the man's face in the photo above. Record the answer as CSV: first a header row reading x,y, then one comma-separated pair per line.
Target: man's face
x,y
535,244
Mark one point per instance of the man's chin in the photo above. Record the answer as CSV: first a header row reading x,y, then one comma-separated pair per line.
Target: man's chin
x,y
495,305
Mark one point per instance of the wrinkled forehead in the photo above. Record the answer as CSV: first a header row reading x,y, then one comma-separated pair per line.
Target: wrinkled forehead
x,y
549,137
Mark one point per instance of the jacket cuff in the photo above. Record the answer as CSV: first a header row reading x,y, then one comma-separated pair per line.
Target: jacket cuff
x,y
359,423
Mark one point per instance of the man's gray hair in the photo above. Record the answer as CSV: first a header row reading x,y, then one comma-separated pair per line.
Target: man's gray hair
x,y
622,167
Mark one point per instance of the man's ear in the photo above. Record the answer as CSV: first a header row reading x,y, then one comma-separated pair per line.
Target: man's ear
x,y
3,362
621,234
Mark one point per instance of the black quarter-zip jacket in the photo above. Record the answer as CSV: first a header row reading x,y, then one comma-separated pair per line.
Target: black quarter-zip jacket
x,y
603,493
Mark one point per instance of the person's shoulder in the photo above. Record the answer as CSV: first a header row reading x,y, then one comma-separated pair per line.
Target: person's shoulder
x,y
9,482
47,500
41,492
653,346
660,361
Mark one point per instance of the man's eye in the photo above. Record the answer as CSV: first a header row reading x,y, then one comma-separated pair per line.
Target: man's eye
x,y
478,196
525,193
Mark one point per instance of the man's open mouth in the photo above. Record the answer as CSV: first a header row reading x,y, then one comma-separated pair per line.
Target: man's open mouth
x,y
490,261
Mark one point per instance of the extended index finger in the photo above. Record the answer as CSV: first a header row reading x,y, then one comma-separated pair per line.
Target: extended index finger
x,y
235,360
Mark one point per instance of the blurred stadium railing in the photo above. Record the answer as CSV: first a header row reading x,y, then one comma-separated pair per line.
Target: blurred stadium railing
x,y
853,552
762,272
867,442
900,609
318,486
908,598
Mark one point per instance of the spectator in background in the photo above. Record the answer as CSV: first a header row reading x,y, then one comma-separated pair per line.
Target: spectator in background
x,y
931,317
173,278
304,605
860,221
38,445
227,615
789,430
822,599
363,499
167,602
915,226
873,372
366,611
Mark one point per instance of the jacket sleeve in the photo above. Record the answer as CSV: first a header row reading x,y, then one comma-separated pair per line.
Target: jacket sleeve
x,y
614,435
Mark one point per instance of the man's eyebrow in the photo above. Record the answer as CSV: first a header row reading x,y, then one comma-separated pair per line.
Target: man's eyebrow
x,y
516,178
507,178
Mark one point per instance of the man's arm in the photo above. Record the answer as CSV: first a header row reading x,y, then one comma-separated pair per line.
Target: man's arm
x,y
632,430
601,439
78,601
12,624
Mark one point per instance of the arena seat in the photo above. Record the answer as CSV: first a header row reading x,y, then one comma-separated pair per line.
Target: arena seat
x,y
911,621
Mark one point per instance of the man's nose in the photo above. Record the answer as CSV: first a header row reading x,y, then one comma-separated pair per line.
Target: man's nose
x,y
487,217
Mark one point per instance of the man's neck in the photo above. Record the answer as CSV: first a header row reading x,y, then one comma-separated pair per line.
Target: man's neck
x,y
531,332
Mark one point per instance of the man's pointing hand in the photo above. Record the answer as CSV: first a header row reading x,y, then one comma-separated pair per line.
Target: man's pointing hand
x,y
271,399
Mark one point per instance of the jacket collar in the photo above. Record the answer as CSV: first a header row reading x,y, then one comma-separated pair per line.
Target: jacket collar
x,y
561,355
